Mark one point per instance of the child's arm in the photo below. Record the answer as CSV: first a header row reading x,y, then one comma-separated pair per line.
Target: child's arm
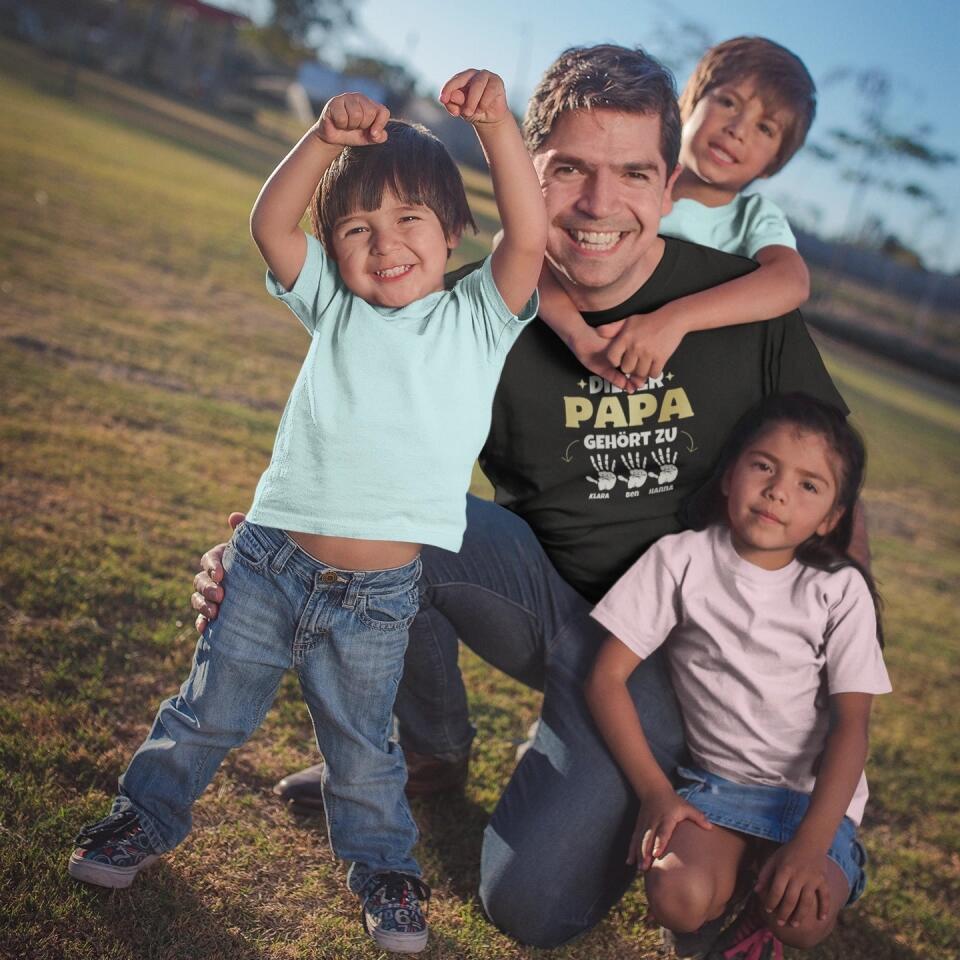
x,y
792,882
647,341
616,717
587,343
350,119
478,96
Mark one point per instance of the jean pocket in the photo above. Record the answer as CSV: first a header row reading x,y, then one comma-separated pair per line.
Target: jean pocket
x,y
250,545
393,611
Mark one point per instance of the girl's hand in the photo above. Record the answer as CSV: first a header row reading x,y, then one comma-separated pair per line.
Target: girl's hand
x,y
793,885
352,120
645,344
476,95
659,815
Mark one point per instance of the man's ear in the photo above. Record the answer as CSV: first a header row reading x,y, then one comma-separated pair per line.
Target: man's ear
x,y
830,521
453,240
667,204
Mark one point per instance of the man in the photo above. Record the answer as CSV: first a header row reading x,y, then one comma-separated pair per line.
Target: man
x,y
590,478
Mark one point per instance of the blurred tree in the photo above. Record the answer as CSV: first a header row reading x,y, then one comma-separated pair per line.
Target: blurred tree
x,y
298,18
295,28
863,152
399,83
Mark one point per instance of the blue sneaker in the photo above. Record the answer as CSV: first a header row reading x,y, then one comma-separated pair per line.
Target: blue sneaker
x,y
391,911
112,852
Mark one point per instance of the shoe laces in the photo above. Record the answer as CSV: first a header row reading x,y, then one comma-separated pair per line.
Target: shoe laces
x,y
394,886
755,947
111,826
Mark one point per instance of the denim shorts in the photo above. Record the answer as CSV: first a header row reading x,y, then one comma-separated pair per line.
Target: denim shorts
x,y
772,813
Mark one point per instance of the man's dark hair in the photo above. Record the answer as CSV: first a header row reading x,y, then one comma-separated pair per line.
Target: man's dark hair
x,y
411,162
605,77
782,80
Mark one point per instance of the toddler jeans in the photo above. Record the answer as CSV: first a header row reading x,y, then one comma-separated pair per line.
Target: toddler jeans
x,y
344,632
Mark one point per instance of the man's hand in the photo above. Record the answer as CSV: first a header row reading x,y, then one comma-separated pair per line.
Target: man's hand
x,y
645,344
352,120
793,885
208,594
659,815
476,95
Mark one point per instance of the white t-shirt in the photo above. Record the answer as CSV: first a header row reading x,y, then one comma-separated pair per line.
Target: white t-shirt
x,y
753,653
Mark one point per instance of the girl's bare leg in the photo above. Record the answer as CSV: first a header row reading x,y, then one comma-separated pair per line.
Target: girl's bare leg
x,y
810,933
693,883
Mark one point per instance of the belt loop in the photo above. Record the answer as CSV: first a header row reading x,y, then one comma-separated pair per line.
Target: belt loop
x,y
353,589
281,557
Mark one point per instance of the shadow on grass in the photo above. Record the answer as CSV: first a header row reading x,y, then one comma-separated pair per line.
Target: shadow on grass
x,y
61,919
855,936
451,834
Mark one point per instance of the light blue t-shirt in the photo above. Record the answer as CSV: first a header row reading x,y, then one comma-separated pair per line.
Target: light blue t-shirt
x,y
748,223
389,411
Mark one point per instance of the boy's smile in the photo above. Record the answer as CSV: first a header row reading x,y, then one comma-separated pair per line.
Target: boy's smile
x,y
780,492
393,255
731,138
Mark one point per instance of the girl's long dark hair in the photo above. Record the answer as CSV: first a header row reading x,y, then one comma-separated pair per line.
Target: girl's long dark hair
x,y
831,552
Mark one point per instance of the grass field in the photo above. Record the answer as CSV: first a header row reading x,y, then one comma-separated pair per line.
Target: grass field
x,y
143,371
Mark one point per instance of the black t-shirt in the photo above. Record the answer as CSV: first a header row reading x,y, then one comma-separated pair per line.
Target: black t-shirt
x,y
600,475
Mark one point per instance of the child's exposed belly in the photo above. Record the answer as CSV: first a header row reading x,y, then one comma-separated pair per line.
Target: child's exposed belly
x,y
346,553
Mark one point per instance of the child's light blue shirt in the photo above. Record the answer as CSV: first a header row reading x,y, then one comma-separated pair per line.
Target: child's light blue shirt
x,y
748,223
389,411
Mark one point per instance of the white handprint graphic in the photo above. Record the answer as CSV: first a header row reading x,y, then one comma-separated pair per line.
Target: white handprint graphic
x,y
667,465
638,471
604,464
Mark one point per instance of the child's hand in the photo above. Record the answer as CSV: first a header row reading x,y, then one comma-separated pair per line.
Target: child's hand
x,y
793,885
658,817
590,347
352,120
645,344
476,95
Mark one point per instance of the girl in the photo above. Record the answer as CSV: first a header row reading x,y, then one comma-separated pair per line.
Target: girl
x,y
775,653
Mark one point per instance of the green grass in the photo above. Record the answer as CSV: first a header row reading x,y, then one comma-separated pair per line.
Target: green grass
x,y
143,371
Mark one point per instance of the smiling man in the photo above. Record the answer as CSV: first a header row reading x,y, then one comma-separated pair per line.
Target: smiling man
x,y
586,478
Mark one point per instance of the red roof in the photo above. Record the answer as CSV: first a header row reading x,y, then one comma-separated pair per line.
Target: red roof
x,y
207,11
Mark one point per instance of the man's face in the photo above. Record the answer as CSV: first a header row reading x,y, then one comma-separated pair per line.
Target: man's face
x,y
606,187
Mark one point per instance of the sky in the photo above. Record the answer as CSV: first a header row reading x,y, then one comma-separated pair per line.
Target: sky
x,y
913,43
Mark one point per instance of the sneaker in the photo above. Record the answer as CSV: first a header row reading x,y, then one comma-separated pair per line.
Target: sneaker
x,y
749,938
391,911
112,852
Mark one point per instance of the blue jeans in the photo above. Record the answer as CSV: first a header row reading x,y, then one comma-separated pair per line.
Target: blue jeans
x,y
345,634
565,819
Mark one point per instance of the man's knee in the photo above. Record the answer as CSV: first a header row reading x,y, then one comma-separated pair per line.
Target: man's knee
x,y
525,910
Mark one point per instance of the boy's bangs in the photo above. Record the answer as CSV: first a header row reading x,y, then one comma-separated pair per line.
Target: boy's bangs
x,y
405,181
412,164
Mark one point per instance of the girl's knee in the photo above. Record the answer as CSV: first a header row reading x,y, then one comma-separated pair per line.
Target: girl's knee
x,y
682,900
